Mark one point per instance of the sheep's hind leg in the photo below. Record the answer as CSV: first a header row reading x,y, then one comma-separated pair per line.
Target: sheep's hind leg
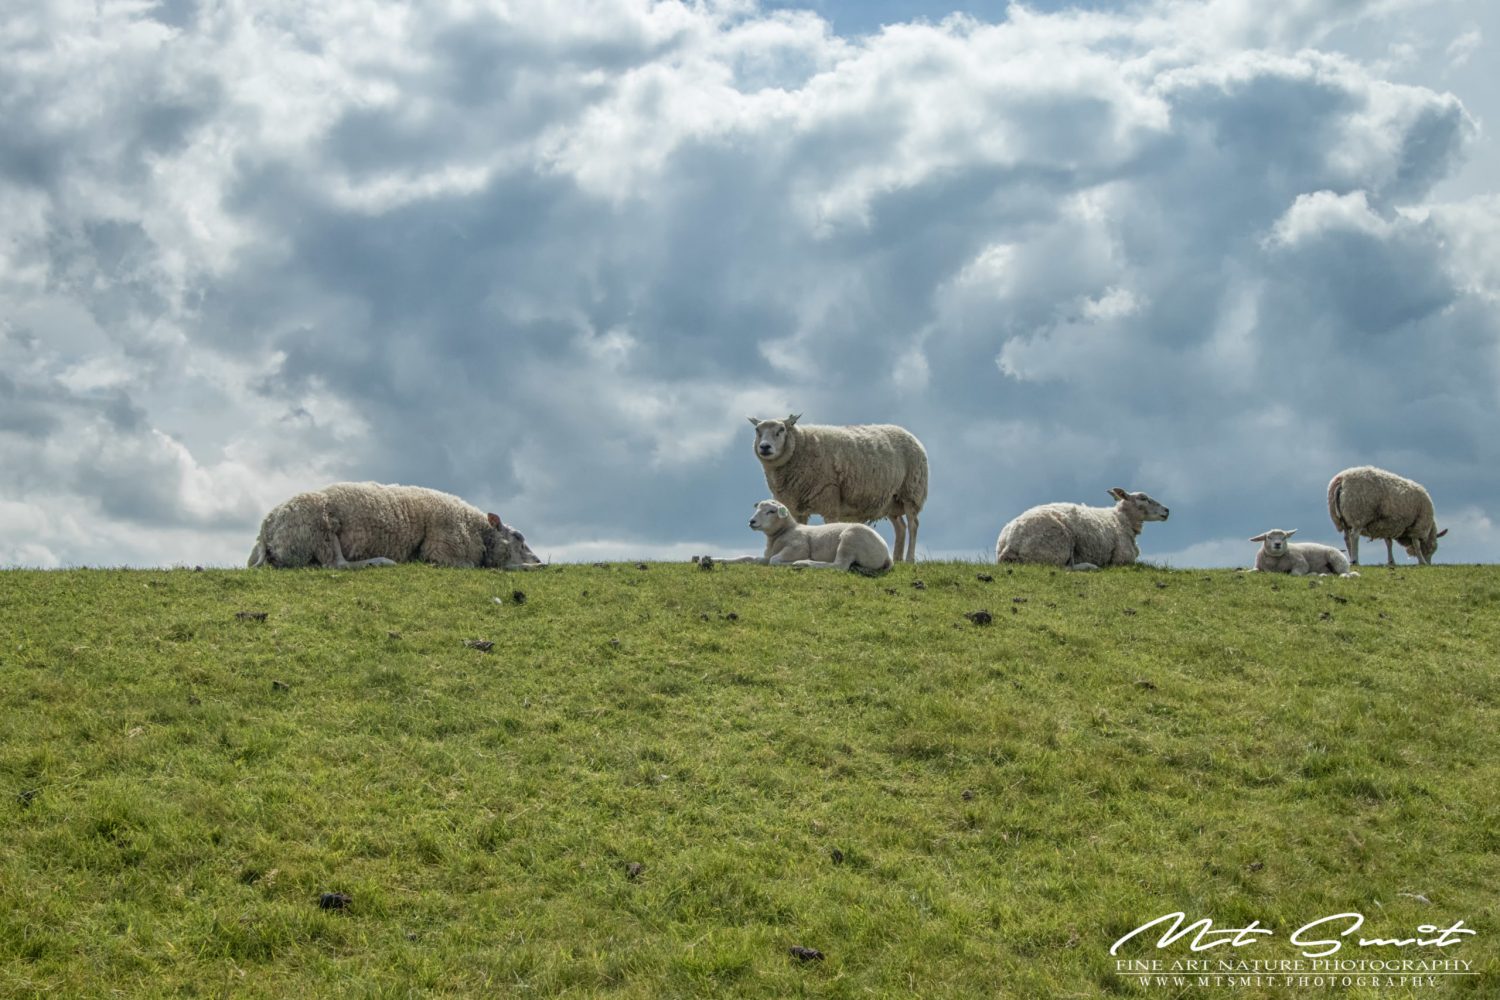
x,y
899,523
1390,553
911,536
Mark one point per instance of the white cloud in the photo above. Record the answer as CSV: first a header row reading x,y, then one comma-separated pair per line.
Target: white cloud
x,y
551,255
1322,211
1462,48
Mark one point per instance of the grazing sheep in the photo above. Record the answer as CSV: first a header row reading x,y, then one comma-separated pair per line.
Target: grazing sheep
x,y
863,472
352,525
1379,504
843,546
1079,537
1277,555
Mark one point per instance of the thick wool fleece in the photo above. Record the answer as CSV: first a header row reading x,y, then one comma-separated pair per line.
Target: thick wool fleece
x,y
1372,503
863,472
373,520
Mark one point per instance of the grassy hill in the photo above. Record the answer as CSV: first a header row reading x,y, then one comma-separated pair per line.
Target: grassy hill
x,y
658,779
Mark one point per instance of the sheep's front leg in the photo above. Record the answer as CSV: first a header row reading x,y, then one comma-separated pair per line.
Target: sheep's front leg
x,y
899,524
911,536
340,562
1390,553
1351,545
814,564
739,559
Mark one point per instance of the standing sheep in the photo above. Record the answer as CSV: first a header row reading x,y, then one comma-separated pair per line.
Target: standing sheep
x,y
352,525
863,473
1079,537
815,546
1379,504
1277,555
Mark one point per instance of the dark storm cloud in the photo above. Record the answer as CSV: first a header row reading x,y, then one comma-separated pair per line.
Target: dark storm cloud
x,y
550,259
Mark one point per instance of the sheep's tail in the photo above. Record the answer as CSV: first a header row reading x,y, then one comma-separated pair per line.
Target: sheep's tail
x,y
1335,497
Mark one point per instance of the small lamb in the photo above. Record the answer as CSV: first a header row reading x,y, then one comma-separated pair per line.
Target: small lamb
x,y
839,545
1277,555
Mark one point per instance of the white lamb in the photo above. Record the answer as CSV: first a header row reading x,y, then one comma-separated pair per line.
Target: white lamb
x,y
352,525
815,546
1379,504
1277,555
862,472
1079,537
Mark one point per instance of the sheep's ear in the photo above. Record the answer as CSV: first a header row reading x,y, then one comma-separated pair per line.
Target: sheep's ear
x,y
1440,534
494,520
1289,534
781,509
791,420
1259,538
1118,493
753,421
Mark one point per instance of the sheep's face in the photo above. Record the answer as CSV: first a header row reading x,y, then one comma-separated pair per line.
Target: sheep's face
x,y
1142,506
1274,542
769,515
1421,547
504,546
772,440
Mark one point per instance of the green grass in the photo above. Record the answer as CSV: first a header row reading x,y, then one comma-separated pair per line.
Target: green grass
x,y
944,809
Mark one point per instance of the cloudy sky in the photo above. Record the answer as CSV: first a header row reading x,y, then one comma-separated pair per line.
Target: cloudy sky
x,y
549,254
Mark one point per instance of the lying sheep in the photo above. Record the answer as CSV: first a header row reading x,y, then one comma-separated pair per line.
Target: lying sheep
x,y
1277,555
815,546
352,525
863,473
1379,504
1079,537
